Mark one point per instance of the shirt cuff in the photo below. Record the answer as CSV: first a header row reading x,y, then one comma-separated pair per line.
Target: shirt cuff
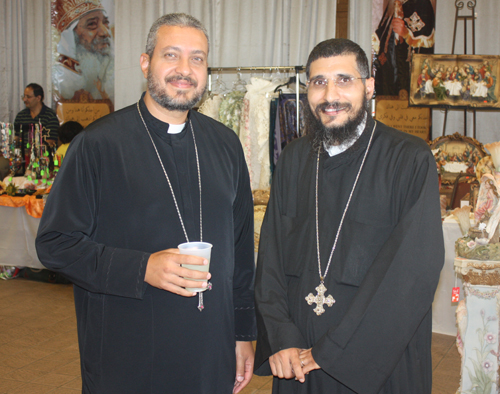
x,y
245,326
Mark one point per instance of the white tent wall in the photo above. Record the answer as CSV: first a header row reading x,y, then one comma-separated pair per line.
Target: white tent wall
x,y
242,33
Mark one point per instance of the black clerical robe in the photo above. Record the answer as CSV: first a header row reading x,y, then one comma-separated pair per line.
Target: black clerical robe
x,y
109,209
376,338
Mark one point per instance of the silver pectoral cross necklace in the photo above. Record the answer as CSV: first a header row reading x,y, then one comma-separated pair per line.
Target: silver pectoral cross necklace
x,y
320,298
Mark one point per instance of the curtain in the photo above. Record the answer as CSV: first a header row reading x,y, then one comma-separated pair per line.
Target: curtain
x,y
24,52
242,33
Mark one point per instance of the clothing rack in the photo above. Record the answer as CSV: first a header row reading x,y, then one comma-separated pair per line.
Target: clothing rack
x,y
297,69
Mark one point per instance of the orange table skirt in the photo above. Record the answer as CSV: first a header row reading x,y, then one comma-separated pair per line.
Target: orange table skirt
x,y
34,206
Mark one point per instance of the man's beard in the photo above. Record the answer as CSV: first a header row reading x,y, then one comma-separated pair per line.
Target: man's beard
x,y
324,136
95,66
170,103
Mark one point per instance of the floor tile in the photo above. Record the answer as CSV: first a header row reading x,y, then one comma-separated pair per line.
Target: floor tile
x,y
39,345
9,385
31,388
54,379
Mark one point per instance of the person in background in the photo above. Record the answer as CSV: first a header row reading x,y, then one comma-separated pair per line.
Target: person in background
x,y
351,245
135,184
67,132
36,112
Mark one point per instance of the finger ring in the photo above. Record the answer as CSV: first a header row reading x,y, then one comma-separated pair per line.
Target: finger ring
x,y
302,363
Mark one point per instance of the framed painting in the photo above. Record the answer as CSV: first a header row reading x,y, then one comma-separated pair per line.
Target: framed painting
x,y
455,80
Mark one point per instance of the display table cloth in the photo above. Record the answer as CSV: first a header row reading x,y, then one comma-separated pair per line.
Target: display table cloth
x,y
33,205
443,310
17,241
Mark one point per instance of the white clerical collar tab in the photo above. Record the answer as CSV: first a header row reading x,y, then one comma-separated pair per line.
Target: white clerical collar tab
x,y
175,128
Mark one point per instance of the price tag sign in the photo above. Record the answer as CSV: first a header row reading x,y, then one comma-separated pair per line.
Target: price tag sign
x,y
455,294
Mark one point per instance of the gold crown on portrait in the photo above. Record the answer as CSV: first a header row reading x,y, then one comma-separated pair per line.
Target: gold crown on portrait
x,y
65,12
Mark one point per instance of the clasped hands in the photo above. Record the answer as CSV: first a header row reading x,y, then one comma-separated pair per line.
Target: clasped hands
x,y
293,363
165,271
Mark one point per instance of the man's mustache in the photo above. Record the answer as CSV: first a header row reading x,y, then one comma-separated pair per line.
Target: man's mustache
x,y
181,78
102,40
336,105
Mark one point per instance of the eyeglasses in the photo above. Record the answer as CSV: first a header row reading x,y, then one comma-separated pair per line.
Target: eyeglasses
x,y
26,97
340,81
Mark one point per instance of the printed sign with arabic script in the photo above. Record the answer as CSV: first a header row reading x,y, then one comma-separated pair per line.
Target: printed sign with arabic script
x,y
397,114
83,113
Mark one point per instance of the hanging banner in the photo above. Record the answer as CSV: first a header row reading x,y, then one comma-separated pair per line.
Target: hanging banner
x,y
83,59
400,28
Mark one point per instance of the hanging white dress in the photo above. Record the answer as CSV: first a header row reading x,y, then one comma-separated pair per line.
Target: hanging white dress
x,y
210,106
254,130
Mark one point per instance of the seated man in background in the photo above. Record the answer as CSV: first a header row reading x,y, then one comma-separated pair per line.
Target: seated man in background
x,y
36,112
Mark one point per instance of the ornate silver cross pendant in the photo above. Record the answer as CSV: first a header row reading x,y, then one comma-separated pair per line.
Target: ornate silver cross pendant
x,y
320,299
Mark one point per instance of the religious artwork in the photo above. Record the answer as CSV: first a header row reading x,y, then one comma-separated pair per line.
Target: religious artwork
x,y
83,59
456,80
396,113
456,153
400,29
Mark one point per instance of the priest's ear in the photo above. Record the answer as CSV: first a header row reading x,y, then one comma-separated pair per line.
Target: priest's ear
x,y
369,87
145,64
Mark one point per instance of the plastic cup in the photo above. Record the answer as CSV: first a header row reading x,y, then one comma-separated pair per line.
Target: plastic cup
x,y
201,249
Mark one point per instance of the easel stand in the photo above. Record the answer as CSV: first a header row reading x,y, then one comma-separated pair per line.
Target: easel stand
x,y
459,5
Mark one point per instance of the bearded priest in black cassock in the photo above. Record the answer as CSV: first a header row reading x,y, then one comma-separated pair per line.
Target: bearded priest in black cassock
x,y
133,186
351,245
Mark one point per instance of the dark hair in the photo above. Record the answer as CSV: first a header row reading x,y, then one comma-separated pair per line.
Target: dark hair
x,y
339,47
176,19
37,89
67,131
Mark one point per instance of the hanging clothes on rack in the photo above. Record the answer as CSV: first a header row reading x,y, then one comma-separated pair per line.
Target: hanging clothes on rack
x,y
210,106
254,131
249,114
286,127
230,110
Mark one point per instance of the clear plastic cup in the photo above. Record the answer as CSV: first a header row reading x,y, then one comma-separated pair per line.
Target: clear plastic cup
x,y
201,249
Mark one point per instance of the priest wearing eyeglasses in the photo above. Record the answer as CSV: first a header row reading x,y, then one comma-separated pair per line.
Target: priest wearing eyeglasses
x,y
351,245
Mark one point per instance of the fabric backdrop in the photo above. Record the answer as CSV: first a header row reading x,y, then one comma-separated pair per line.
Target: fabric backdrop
x,y
242,33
